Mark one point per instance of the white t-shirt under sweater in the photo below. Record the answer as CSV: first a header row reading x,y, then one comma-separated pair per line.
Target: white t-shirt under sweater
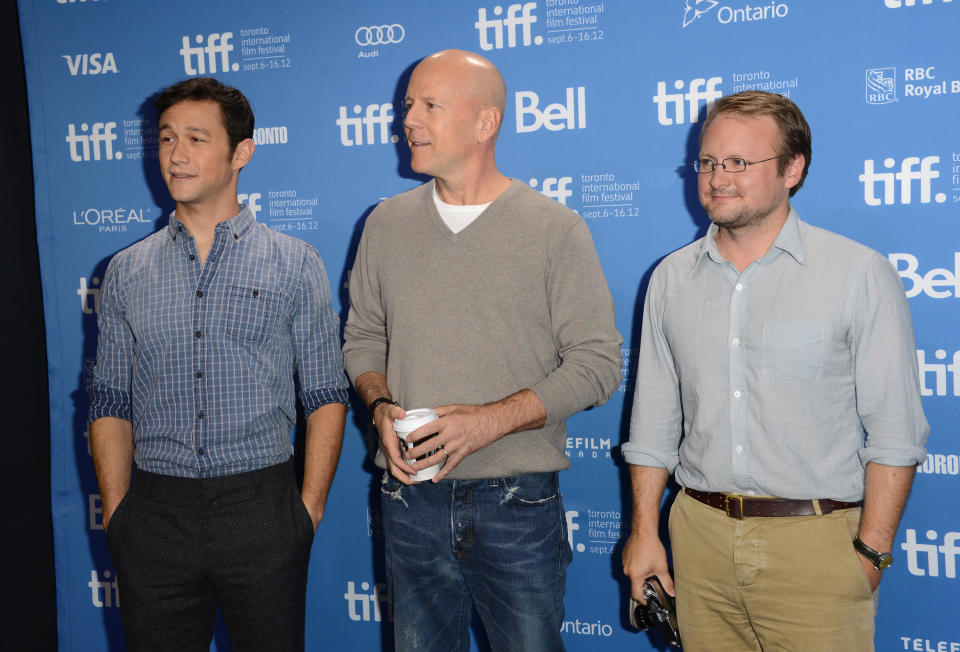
x,y
457,217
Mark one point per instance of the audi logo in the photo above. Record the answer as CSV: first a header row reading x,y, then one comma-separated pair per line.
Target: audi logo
x,y
379,35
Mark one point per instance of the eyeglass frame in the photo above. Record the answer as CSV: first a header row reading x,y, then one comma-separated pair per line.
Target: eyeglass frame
x,y
721,163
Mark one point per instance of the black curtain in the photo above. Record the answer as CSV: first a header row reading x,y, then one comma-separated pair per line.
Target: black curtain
x,y
29,610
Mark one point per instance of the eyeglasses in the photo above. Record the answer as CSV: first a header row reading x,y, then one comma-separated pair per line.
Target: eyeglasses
x,y
706,166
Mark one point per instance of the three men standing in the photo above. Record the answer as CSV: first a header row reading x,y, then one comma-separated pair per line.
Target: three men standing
x,y
778,377
476,296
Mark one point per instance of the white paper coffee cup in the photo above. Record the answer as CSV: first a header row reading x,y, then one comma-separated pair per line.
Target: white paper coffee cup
x,y
403,428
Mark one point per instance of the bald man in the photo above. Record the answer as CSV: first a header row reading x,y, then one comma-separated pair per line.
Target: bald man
x,y
480,298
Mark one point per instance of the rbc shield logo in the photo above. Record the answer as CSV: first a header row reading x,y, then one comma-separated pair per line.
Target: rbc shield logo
x,y
881,85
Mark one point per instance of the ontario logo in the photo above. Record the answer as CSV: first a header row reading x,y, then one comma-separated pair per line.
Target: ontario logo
x,y
693,9
881,85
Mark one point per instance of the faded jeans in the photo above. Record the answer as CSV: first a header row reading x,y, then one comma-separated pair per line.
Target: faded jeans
x,y
499,544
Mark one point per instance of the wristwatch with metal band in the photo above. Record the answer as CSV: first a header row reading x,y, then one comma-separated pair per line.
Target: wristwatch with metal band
x,y
376,402
881,560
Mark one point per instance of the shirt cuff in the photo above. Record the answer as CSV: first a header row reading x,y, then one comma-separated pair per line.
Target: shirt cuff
x,y
640,456
319,397
107,402
905,455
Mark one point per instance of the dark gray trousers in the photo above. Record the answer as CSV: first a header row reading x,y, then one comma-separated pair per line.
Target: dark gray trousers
x,y
182,546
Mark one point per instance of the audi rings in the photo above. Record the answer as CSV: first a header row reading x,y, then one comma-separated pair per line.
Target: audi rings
x,y
379,35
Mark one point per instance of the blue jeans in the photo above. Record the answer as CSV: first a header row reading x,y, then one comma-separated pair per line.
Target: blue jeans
x,y
498,543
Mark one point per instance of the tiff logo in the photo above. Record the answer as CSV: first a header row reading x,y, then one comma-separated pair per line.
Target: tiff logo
x,y
940,371
90,64
89,296
554,188
906,176
517,15
377,597
670,106
250,199
352,129
572,526
938,283
194,61
949,549
554,116
105,592
85,144
95,512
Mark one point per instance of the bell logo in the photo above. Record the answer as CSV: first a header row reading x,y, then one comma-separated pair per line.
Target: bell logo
x,y
86,143
554,116
554,188
906,176
938,283
517,15
90,64
916,552
670,106
352,129
202,59
364,601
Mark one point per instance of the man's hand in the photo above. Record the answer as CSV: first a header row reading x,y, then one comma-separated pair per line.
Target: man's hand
x,y
383,417
644,556
461,430
873,575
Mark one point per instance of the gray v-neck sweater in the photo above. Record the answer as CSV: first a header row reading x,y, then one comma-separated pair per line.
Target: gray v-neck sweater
x,y
516,300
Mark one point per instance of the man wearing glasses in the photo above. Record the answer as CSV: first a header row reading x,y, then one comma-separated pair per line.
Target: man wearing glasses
x,y
778,379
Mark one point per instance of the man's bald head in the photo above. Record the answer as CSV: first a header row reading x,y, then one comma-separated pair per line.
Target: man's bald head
x,y
478,77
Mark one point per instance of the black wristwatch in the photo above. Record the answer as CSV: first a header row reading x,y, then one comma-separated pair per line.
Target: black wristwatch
x,y
376,402
881,560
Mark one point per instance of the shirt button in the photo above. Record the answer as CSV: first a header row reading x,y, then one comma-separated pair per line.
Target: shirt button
x,y
199,415
256,293
736,394
739,286
192,257
200,451
199,293
736,341
198,334
199,374
739,449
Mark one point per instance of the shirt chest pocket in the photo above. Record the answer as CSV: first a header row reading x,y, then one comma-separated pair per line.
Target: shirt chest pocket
x,y
252,314
793,352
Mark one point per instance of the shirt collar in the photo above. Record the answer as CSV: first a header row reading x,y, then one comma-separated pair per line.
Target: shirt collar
x,y
238,225
789,240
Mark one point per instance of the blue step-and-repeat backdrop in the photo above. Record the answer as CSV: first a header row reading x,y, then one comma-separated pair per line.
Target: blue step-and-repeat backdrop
x,y
604,99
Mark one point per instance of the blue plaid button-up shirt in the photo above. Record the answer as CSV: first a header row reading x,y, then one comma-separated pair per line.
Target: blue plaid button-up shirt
x,y
201,359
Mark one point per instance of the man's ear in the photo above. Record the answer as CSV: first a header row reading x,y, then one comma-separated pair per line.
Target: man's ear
x,y
242,153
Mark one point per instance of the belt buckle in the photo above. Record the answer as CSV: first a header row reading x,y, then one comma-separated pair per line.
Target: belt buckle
x,y
729,500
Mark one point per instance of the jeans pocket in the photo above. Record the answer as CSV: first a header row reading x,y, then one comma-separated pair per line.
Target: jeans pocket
x,y
529,489
793,352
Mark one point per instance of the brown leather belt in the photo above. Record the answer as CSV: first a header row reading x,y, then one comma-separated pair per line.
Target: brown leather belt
x,y
737,506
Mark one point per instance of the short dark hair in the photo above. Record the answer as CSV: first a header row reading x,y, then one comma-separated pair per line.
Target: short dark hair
x,y
795,135
234,107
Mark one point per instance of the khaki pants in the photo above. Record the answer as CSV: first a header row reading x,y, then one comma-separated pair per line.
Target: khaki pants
x,y
785,583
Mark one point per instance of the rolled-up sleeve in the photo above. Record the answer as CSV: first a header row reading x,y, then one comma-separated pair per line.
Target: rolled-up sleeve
x,y
886,375
315,333
109,393
656,417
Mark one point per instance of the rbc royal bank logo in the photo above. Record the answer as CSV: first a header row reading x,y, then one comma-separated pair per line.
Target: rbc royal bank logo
x,y
517,16
379,35
201,59
92,142
693,9
881,85
670,106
